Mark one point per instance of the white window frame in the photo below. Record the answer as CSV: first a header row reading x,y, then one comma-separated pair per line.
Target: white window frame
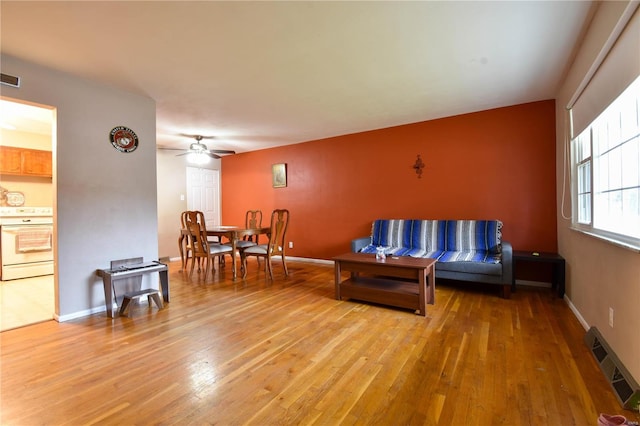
x,y
587,160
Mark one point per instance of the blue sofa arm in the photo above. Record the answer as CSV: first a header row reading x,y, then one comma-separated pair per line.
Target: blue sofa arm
x,y
360,243
507,263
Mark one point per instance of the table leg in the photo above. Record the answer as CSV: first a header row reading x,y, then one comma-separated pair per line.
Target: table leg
x,y
559,277
422,291
431,285
108,294
234,244
164,284
338,278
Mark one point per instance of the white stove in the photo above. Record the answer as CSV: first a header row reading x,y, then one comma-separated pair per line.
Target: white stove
x,y
26,211
26,242
26,216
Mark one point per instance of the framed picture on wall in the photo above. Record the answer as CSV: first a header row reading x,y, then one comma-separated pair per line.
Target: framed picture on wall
x,y
279,175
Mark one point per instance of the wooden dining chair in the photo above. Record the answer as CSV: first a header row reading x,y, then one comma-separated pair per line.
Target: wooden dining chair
x,y
197,216
201,248
274,247
186,217
253,219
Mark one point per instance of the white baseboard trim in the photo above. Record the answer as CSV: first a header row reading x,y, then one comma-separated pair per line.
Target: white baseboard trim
x,y
575,311
310,260
84,313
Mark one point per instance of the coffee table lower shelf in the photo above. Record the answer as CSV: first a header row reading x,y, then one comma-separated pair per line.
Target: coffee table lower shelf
x,y
383,291
401,281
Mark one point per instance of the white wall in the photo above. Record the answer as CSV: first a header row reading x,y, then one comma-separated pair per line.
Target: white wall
x,y
106,201
599,274
172,183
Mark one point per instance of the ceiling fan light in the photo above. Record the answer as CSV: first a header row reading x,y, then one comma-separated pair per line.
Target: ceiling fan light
x,y
197,147
198,158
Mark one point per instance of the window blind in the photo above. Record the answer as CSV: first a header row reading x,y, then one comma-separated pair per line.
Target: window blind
x,y
619,69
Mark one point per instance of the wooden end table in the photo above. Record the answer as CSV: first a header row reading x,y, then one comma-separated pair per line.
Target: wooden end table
x,y
557,261
403,281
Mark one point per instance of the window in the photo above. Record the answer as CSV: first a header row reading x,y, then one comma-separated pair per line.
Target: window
x,y
606,170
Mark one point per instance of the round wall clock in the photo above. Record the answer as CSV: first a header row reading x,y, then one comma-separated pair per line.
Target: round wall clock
x,y
123,139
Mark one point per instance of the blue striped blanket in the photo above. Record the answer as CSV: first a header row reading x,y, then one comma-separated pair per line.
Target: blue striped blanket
x,y
444,240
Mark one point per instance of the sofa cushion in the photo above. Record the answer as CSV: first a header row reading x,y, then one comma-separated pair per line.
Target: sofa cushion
x,y
470,268
474,256
474,235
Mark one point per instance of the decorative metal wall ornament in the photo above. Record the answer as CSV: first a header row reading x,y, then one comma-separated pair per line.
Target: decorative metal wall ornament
x,y
418,166
123,139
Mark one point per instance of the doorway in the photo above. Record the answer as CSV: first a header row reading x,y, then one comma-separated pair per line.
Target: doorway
x,y
203,194
28,129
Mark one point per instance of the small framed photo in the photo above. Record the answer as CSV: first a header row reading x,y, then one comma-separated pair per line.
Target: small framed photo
x,y
279,175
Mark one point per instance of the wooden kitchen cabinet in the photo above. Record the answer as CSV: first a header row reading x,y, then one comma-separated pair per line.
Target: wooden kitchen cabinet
x,y
10,160
36,163
25,162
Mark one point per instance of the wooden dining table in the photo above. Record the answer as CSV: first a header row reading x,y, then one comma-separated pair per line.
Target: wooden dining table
x,y
232,233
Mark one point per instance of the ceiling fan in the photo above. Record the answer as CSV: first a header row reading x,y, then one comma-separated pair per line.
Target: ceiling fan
x,y
199,149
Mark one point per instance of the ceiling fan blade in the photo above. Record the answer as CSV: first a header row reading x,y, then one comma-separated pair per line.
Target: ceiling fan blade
x,y
195,136
222,151
171,149
184,153
212,155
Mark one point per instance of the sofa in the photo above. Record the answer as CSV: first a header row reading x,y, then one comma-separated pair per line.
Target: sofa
x,y
465,250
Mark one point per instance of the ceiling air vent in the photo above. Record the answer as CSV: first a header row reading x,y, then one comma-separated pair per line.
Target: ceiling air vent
x,y
10,80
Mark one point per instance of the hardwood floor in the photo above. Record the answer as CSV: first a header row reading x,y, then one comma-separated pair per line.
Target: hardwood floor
x,y
262,353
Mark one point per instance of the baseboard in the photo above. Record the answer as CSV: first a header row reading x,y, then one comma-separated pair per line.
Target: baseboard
x,y
311,260
577,313
533,283
84,313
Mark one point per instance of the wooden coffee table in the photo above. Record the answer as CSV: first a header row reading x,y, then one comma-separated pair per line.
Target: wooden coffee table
x,y
403,281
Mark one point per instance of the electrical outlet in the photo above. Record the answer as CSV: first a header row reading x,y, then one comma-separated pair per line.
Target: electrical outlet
x,y
290,244
611,317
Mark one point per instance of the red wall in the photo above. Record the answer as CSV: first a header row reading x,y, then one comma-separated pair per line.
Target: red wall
x,y
496,164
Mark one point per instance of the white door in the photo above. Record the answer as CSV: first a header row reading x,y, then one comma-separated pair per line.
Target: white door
x,y
203,194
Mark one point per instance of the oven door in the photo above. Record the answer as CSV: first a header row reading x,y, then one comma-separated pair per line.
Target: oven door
x,y
27,250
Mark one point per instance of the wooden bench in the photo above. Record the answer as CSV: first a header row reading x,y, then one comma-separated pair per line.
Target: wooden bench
x,y
152,294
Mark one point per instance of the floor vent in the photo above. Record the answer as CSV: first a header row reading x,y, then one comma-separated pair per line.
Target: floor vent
x,y
9,80
626,389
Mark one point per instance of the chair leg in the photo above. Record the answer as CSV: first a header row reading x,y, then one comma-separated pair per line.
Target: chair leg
x,y
270,267
206,267
186,262
243,264
284,265
193,264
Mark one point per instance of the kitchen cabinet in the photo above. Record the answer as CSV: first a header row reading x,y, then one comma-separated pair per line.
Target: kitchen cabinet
x,y
25,162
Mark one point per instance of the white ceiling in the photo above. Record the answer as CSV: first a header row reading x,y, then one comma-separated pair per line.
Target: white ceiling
x,y
263,74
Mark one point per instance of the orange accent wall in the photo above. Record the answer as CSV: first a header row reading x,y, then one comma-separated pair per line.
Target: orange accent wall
x,y
494,164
